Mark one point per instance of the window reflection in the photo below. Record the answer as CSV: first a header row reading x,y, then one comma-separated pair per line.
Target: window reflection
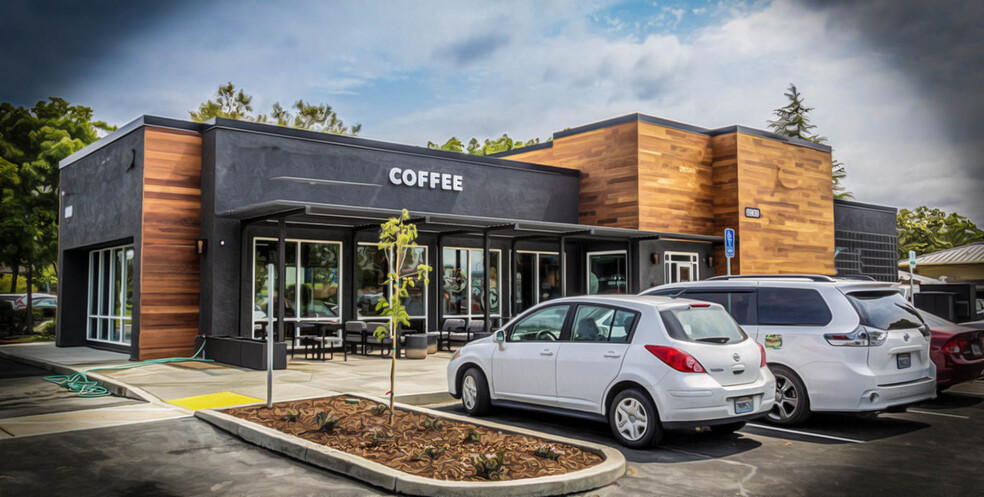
x,y
462,282
607,274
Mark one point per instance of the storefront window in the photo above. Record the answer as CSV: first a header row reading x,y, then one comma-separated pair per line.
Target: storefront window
x,y
463,285
607,273
537,278
316,297
680,267
371,279
110,307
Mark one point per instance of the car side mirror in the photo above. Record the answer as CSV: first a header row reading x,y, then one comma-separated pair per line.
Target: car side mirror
x,y
500,336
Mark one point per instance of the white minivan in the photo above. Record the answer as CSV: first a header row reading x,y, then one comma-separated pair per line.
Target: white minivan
x,y
642,364
834,344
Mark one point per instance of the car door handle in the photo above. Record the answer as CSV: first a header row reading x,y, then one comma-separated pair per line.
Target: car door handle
x,y
546,352
613,355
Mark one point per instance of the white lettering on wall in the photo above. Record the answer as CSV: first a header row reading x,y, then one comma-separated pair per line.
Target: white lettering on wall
x,y
426,179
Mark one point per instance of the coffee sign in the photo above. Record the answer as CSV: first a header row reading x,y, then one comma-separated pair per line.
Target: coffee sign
x,y
426,179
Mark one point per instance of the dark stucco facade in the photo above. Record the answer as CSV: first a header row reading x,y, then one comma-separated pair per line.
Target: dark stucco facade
x,y
865,240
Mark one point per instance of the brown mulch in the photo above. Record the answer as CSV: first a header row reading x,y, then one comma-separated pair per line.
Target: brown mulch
x,y
362,431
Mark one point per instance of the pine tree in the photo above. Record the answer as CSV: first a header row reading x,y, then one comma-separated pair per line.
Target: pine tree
x,y
792,120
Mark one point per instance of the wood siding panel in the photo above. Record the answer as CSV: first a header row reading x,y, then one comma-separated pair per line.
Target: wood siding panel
x,y
791,186
724,164
609,165
171,225
676,185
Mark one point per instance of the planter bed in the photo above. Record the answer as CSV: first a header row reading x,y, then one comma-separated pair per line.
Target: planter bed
x,y
425,452
363,432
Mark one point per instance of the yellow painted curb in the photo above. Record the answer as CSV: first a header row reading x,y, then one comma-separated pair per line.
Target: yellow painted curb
x,y
213,401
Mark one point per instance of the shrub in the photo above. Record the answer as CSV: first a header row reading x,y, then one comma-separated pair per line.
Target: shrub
x,y
547,452
489,466
472,436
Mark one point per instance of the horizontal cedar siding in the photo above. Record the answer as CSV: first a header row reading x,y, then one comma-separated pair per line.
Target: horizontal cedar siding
x,y
171,225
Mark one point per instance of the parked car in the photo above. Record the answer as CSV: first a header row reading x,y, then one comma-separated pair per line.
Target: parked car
x,y
641,364
843,345
19,300
957,351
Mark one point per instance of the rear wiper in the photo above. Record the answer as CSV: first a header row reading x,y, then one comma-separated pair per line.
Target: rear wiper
x,y
713,339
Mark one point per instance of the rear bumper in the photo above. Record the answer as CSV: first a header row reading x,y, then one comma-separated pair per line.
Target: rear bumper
x,y
840,387
951,372
698,400
679,425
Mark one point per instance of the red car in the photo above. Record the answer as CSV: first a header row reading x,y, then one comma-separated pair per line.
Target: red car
x,y
957,351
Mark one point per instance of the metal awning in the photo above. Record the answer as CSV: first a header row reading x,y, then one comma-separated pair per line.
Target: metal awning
x,y
341,216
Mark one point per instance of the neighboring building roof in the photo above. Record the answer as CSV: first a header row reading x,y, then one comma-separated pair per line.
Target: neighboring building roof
x,y
615,121
966,254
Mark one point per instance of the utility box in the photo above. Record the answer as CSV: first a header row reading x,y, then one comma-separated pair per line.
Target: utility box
x,y
965,300
938,303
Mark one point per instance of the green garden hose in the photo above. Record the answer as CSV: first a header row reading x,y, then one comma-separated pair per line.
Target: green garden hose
x,y
84,387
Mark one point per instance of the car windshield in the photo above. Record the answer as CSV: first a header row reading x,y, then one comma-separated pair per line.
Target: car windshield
x,y
702,324
884,310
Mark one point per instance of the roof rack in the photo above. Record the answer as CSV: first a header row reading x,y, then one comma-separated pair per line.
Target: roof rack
x,y
858,277
811,277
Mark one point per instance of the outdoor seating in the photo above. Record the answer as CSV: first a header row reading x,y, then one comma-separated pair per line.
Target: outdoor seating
x,y
433,337
355,335
329,339
453,330
295,333
415,345
476,330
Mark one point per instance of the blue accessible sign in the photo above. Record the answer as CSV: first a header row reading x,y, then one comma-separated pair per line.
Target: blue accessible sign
x,y
729,242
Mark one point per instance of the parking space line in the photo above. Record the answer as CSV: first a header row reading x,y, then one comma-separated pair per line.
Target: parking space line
x,y
937,414
806,433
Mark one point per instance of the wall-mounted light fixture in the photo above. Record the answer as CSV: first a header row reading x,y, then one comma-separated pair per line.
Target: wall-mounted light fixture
x,y
200,246
654,256
709,260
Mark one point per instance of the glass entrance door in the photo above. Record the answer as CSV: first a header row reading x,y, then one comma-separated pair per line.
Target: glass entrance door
x,y
537,278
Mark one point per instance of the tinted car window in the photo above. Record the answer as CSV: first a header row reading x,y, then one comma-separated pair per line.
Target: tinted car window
x,y
665,292
601,324
544,325
792,306
884,310
740,305
702,324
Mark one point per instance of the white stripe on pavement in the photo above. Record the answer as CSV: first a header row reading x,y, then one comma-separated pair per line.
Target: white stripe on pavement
x,y
938,414
805,433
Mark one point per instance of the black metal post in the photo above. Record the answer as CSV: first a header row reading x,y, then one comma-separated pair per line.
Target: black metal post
x,y
513,280
563,266
281,275
485,282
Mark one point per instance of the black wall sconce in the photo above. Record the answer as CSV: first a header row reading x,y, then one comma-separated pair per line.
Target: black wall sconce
x,y
654,256
200,246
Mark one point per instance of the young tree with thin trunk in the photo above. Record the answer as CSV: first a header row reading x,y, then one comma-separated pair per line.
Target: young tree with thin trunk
x,y
396,238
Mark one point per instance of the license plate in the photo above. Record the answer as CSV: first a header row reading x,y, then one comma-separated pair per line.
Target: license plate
x,y
903,360
975,348
743,405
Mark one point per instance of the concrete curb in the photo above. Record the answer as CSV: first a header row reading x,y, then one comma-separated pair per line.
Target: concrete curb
x,y
418,399
115,387
611,469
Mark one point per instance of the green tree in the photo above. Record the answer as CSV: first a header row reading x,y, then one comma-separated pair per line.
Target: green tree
x,y
396,238
488,147
231,103
793,120
32,141
927,230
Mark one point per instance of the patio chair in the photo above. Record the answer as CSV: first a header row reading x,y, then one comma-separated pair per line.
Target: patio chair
x,y
331,339
476,330
355,335
454,331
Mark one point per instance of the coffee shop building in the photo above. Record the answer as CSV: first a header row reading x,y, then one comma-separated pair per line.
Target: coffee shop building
x,y
171,230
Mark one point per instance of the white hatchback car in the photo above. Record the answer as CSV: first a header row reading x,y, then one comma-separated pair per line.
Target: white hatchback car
x,y
834,344
643,364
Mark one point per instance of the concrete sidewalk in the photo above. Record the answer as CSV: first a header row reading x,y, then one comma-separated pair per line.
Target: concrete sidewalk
x,y
417,381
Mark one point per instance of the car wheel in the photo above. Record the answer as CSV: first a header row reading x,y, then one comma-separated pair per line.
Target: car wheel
x,y
792,405
475,392
727,429
634,420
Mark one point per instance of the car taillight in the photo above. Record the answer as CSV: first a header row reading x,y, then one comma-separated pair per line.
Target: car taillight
x,y
699,305
676,359
761,349
860,337
955,345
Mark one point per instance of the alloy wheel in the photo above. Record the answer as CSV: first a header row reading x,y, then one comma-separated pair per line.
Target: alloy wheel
x,y
631,419
469,392
787,399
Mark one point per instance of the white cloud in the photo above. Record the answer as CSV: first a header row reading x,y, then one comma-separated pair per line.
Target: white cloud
x,y
412,73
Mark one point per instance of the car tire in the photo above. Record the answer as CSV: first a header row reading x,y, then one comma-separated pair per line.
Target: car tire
x,y
727,429
792,406
475,392
634,420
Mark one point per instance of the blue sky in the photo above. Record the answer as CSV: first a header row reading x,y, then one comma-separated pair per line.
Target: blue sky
x,y
897,86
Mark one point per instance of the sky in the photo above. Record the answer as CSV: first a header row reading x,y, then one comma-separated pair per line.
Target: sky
x,y
897,87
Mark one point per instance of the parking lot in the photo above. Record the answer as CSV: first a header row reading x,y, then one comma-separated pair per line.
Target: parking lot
x,y
933,449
